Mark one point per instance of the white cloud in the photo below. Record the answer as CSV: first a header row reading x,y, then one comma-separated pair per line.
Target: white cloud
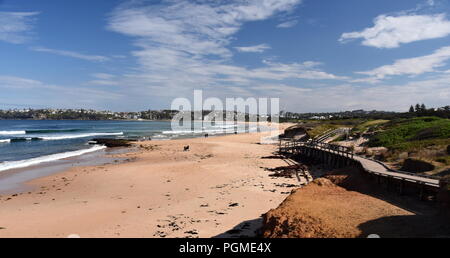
x,y
281,71
32,92
396,97
17,82
287,24
197,28
254,49
104,76
185,45
92,58
392,31
105,79
410,66
15,27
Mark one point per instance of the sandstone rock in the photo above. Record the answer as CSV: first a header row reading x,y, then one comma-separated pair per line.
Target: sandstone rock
x,y
296,132
403,155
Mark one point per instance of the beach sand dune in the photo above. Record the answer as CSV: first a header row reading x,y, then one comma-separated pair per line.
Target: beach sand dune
x,y
220,187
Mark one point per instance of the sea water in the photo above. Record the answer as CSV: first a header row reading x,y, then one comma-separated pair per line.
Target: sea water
x,y
25,143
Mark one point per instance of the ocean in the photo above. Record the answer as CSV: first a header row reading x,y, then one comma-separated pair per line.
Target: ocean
x,y
25,143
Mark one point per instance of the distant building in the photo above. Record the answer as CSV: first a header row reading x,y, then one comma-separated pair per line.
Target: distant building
x,y
318,118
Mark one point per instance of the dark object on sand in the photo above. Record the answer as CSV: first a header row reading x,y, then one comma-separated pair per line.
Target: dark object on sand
x,y
111,143
417,166
296,132
206,135
186,148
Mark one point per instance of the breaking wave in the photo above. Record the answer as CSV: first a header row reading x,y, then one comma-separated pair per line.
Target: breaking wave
x,y
35,161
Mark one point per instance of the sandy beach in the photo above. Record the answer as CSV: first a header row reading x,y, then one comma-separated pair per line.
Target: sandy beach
x,y
221,184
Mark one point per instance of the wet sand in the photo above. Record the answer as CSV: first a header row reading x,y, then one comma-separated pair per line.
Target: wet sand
x,y
12,181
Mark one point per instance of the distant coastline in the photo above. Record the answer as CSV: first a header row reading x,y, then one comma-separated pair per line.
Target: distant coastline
x,y
85,114
81,119
168,115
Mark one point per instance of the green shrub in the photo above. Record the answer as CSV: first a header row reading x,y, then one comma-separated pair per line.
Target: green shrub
x,y
398,133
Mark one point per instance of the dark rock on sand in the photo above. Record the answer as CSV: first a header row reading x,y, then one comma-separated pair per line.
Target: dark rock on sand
x,y
111,143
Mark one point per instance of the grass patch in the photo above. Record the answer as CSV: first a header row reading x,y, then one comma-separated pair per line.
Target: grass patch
x,y
372,124
321,129
412,133
445,160
340,138
420,145
316,128
423,138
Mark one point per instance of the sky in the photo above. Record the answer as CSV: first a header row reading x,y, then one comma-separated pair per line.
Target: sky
x,y
315,55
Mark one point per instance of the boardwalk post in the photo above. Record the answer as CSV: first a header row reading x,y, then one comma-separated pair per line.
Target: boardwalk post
x,y
336,156
402,185
422,192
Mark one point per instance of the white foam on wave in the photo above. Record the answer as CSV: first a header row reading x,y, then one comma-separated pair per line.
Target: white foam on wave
x,y
5,141
225,126
74,136
35,161
211,131
159,136
12,132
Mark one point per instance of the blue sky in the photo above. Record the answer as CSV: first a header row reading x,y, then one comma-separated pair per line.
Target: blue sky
x,y
315,55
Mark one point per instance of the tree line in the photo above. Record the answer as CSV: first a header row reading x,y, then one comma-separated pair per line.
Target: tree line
x,y
422,110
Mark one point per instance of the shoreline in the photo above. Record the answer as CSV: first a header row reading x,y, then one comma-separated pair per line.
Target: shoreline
x,y
53,160
14,181
161,191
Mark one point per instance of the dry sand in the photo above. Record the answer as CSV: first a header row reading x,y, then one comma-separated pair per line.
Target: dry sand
x,y
162,191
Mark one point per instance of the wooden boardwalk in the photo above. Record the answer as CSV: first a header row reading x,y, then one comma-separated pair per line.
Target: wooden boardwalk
x,y
370,166
375,167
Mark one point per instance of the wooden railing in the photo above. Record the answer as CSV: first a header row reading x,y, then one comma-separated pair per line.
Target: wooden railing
x,y
331,133
292,147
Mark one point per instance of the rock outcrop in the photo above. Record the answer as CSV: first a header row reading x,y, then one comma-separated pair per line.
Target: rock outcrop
x,y
111,143
296,132
416,166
